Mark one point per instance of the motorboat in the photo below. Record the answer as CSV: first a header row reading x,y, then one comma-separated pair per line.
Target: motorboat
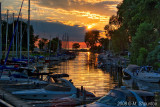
x,y
21,75
60,88
142,85
124,97
144,73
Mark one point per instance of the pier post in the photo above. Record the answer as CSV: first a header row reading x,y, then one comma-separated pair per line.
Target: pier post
x,y
157,99
77,94
81,88
84,96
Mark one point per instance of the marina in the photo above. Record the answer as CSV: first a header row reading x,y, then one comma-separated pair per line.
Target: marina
x,y
82,71
54,55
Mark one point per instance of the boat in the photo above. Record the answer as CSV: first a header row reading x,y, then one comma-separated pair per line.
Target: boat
x,y
52,58
22,75
70,101
124,97
141,85
59,88
144,73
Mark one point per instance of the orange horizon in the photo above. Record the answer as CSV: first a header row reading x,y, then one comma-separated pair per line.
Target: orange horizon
x,y
82,44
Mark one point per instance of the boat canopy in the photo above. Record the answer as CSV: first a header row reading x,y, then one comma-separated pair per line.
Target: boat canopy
x,y
59,75
133,68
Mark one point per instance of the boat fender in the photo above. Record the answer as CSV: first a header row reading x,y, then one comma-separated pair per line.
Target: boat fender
x,y
123,87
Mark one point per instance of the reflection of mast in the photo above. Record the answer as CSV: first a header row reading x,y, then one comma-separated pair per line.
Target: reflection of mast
x,y
0,35
28,33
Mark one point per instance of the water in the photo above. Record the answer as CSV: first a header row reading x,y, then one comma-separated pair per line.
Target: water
x,y
83,72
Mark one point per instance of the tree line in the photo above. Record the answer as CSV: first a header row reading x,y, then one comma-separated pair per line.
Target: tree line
x,y
135,28
33,38
42,42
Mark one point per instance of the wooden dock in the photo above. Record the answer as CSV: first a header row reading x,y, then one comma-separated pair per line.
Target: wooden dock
x,y
12,100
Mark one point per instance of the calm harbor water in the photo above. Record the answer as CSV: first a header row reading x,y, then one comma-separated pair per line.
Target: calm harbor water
x,y
84,72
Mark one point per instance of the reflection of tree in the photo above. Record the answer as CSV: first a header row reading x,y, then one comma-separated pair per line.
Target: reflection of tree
x,y
92,59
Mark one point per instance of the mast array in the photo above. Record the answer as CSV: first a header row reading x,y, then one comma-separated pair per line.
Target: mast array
x,y
28,33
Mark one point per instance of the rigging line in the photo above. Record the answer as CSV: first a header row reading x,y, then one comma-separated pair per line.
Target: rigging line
x,y
13,34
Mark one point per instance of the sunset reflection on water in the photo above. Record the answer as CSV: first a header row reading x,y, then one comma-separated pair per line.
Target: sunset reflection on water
x,y
84,72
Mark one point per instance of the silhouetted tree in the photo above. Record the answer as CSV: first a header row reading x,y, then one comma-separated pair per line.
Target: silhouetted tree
x,y
75,46
91,38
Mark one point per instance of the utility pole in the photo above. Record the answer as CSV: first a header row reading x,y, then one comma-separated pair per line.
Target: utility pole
x,y
0,34
7,32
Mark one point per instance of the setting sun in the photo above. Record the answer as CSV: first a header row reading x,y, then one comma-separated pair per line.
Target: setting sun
x,y
90,26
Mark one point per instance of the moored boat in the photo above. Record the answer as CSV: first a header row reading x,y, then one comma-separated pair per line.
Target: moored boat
x,y
61,88
144,73
125,98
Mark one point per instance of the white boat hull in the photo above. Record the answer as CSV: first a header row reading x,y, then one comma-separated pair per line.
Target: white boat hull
x,y
149,77
42,95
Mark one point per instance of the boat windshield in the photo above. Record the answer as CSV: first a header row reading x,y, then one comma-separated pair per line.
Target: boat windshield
x,y
147,69
113,98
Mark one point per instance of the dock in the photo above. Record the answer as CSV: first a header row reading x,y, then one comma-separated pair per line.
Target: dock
x,y
12,100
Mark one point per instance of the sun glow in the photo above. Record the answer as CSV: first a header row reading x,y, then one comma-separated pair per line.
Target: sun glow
x,y
90,26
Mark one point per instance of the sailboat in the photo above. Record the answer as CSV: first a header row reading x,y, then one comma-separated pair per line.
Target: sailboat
x,y
7,73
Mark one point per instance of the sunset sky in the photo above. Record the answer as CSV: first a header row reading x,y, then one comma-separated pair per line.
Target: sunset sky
x,y
56,17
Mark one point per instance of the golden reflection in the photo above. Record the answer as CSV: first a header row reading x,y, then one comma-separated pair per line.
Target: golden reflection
x,y
93,79
88,58
88,53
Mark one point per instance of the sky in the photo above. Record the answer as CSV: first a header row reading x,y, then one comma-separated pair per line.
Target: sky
x,y
57,17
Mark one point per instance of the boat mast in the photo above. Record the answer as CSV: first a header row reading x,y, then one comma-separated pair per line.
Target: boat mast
x,y
0,34
50,49
28,28
21,38
68,40
16,40
7,32
13,37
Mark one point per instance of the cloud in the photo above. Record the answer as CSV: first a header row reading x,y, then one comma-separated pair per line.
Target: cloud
x,y
101,7
55,29
55,17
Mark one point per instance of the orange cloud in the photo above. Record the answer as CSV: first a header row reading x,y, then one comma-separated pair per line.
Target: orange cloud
x,y
91,14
